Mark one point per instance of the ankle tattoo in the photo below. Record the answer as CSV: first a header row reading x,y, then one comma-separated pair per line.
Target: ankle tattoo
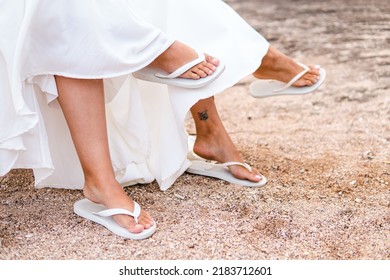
x,y
203,116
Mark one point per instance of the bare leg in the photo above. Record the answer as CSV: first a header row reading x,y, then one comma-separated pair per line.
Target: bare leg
x,y
82,102
277,66
214,143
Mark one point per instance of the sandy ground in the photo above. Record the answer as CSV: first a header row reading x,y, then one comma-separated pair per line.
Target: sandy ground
x,y
327,158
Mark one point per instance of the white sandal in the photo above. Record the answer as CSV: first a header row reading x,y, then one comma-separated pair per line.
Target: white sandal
x,y
266,88
221,171
158,76
103,216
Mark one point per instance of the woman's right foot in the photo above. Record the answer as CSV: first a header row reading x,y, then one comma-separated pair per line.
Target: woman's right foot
x,y
178,54
115,197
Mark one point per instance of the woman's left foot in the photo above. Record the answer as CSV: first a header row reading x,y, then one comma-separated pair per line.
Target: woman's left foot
x,y
277,66
220,148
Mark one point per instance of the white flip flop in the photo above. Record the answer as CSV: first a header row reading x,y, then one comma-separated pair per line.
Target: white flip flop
x,y
266,88
158,76
221,171
98,213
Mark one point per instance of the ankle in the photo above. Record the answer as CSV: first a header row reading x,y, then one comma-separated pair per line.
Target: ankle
x,y
216,145
96,188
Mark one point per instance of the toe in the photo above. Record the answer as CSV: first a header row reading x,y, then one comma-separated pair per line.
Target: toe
x,y
198,71
255,175
135,228
191,75
212,60
202,69
242,173
129,223
145,220
314,70
309,82
207,68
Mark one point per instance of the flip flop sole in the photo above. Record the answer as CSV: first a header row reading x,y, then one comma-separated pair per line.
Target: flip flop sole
x,y
86,209
266,88
148,74
214,171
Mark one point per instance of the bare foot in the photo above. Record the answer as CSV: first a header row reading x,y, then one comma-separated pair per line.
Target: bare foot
x,y
277,66
179,54
113,196
219,147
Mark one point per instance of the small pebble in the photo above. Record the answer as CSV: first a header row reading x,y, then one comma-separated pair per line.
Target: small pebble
x,y
179,196
368,155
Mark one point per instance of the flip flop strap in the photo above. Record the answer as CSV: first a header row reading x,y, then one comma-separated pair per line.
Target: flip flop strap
x,y
183,68
119,211
232,163
296,78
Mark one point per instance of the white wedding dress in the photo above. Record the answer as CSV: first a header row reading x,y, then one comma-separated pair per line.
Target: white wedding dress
x,y
109,39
